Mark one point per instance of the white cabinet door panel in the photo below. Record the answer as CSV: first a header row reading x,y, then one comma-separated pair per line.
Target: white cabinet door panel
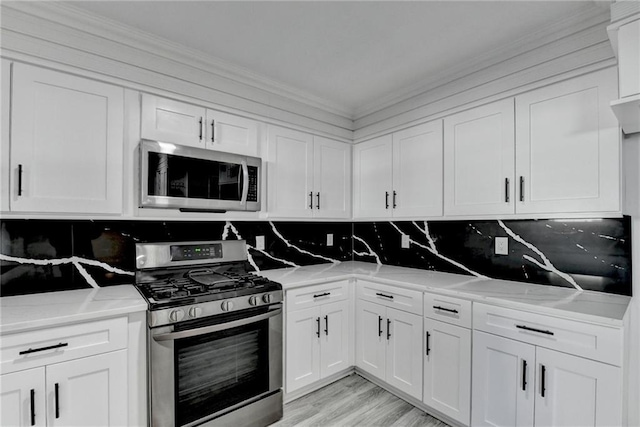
x,y
568,147
231,134
302,348
334,338
417,171
166,120
16,398
479,159
372,178
371,339
332,179
404,352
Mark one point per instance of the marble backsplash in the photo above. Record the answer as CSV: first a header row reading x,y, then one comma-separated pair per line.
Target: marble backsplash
x,y
595,254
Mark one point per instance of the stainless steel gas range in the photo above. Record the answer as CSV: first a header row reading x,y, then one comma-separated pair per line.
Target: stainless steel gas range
x,y
215,335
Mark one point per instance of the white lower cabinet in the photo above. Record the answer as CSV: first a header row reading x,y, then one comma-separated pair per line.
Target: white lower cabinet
x,y
23,398
389,346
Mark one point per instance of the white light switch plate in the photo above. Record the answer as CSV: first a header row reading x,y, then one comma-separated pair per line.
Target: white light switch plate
x,y
502,245
405,242
260,242
329,239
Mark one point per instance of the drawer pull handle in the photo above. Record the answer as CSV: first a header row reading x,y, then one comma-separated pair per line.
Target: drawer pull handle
x,y
33,407
57,398
450,310
428,348
322,295
543,387
50,347
384,295
379,326
541,331
524,375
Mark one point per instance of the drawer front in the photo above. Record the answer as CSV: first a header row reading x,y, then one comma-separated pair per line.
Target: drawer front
x,y
446,309
312,296
53,345
582,339
399,298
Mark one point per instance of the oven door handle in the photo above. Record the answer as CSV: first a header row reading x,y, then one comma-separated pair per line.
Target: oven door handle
x,y
216,328
245,182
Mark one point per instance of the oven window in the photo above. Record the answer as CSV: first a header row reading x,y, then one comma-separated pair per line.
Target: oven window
x,y
218,370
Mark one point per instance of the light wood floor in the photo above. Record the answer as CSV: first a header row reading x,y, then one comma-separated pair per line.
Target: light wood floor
x,y
354,401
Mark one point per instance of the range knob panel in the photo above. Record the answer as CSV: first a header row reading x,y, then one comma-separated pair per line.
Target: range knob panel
x,y
254,300
195,312
267,298
227,305
176,315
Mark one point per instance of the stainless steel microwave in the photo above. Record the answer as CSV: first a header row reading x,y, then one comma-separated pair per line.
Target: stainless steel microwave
x,y
197,180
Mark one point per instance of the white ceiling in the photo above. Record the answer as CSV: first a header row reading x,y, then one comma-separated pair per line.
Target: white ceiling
x,y
349,54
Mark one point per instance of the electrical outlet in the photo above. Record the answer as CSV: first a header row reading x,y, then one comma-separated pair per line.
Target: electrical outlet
x,y
329,239
502,245
405,242
260,242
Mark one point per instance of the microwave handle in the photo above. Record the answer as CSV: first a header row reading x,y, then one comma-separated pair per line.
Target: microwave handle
x,y
245,182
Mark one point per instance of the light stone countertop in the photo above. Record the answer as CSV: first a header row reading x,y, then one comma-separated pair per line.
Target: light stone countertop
x,y
25,312
588,306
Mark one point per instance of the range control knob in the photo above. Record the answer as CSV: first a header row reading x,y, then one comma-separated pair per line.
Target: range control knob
x,y
267,298
141,260
227,305
195,312
254,300
176,315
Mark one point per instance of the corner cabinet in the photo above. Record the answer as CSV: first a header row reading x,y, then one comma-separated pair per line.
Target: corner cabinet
x,y
399,175
308,176
66,143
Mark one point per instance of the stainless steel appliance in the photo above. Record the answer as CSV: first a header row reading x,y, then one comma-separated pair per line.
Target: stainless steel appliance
x,y
195,179
215,335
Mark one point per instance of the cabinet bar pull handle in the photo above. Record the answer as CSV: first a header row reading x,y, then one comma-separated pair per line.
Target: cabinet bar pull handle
x,y
388,329
379,326
522,188
20,180
310,199
33,407
437,307
541,331
394,199
50,347
326,325
200,128
543,380
428,348
524,375
318,324
57,399
386,200
384,295
213,131
322,295
506,190
318,202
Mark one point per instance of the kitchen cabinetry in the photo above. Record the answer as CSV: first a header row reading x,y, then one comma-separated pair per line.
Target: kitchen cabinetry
x,y
389,341
66,143
166,120
23,398
400,175
317,343
308,176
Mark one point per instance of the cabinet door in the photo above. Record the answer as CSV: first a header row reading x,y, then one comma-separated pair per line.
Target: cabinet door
x,y
447,369
67,141
232,134
334,338
568,147
404,352
303,348
290,173
479,160
331,178
371,338
372,165
90,391
503,381
166,120
629,58
22,398
577,391
417,171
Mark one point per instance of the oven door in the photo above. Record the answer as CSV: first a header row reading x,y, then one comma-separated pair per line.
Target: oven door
x,y
204,369
188,178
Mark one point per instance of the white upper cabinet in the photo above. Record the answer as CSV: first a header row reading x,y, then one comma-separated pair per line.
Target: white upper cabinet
x,y
172,121
232,134
308,176
629,58
66,143
568,147
478,160
399,175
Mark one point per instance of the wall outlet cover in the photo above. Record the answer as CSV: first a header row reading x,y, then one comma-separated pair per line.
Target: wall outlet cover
x,y
329,239
502,246
405,242
260,242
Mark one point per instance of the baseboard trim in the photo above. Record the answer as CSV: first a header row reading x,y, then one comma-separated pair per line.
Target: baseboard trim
x,y
296,394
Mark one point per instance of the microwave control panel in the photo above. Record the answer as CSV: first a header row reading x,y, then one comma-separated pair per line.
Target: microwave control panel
x,y
252,194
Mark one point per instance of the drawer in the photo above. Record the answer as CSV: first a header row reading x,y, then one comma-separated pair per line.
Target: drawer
x,y
586,340
447,309
311,296
53,345
390,296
